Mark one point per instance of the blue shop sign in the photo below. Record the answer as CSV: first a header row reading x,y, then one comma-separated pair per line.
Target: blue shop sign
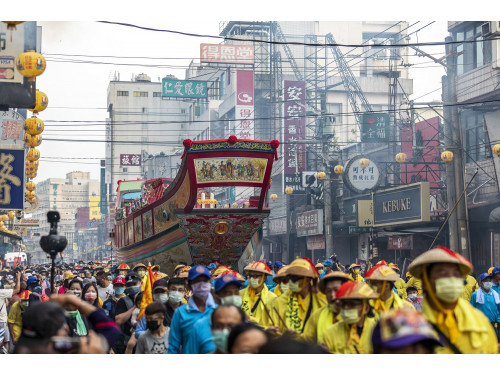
x,y
11,179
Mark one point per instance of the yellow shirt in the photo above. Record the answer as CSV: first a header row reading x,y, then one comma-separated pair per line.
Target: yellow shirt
x,y
293,310
391,303
319,321
470,287
258,313
477,335
336,337
417,283
401,287
15,319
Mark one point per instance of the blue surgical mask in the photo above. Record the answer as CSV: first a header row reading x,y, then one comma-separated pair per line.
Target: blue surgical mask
x,y
133,290
119,290
219,337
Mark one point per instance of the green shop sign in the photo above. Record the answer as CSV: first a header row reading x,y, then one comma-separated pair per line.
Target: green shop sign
x,y
184,89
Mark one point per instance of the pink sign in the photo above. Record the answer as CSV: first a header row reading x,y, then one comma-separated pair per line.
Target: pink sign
x,y
244,126
227,53
244,87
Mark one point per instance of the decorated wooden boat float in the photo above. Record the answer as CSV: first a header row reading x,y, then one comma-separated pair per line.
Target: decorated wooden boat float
x,y
180,221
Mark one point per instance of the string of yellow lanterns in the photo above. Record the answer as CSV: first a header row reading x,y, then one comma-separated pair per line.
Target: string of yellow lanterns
x,y
31,64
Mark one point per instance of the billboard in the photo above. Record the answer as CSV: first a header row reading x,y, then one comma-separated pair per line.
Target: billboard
x,y
133,160
227,53
294,130
375,127
11,179
11,45
309,223
12,130
244,110
174,88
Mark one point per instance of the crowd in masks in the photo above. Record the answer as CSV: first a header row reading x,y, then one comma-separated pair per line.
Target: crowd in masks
x,y
269,308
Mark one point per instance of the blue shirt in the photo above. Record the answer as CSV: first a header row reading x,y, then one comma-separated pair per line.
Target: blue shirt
x,y
489,307
183,322
269,282
201,342
496,288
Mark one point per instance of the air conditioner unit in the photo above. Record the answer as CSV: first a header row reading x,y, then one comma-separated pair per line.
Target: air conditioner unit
x,y
490,28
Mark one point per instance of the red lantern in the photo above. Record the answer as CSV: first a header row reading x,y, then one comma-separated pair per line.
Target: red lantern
x,y
232,139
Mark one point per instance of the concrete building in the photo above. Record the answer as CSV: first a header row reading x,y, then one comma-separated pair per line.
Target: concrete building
x,y
141,123
65,195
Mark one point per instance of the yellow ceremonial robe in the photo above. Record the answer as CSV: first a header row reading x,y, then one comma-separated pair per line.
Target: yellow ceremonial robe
x,y
258,307
337,336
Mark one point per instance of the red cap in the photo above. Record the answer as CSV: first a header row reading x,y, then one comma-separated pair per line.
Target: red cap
x,y
119,280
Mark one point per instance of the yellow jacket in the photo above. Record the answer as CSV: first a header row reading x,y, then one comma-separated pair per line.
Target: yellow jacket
x,y
401,287
257,312
293,310
391,303
336,337
417,283
470,287
319,321
477,335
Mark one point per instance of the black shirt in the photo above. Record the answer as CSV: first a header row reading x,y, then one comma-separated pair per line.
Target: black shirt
x,y
121,307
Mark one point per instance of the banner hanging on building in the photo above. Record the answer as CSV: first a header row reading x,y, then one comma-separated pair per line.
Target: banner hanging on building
x,y
244,115
11,179
294,130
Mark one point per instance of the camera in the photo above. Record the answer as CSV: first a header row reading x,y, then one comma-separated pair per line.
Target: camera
x,y
66,345
53,243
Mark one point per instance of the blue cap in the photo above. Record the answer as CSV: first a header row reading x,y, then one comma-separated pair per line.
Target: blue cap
x,y
31,280
495,271
269,264
328,263
484,276
197,271
224,280
278,264
212,266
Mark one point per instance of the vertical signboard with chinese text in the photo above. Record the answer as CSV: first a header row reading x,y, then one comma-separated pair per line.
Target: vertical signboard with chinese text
x,y
12,131
244,125
294,130
11,179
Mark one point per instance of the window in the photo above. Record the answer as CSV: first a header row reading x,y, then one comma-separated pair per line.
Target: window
x,y
156,94
122,93
475,136
183,111
125,169
144,125
333,117
142,94
471,55
380,53
144,139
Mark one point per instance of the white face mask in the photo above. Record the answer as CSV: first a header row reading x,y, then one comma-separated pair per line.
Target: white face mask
x,y
160,297
284,287
488,285
295,287
175,297
413,297
449,289
349,316
254,283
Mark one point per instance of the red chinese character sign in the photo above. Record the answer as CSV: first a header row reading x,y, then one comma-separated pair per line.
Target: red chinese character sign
x,y
132,160
12,131
294,130
244,116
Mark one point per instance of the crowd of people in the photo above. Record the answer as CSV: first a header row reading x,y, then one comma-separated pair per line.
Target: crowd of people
x,y
436,307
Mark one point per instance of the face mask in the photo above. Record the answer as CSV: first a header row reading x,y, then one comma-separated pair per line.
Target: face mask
x,y
76,293
152,326
90,297
201,290
449,289
133,290
332,308
141,273
349,316
160,297
175,297
413,297
254,283
295,286
488,285
284,287
219,337
43,277
232,300
25,303
119,290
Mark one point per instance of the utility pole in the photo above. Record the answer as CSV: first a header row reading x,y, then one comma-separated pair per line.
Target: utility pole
x,y
457,224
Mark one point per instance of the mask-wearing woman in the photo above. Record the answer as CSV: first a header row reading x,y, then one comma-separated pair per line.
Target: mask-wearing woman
x,y
89,294
77,323
352,335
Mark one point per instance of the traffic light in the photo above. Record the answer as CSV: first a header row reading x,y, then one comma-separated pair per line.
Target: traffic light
x,y
316,191
309,179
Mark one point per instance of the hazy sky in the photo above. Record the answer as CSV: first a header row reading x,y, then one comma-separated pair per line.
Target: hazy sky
x,y
77,91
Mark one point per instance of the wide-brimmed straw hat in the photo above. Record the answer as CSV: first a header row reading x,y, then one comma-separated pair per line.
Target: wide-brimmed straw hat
x,y
382,273
355,290
439,254
259,266
280,274
303,267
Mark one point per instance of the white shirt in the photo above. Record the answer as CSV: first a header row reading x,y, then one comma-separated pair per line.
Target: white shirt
x,y
105,293
5,294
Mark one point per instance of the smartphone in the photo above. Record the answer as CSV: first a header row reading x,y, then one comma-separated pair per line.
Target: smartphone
x,y
66,345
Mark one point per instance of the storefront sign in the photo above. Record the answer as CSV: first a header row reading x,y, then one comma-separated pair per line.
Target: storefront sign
x,y
402,205
12,179
277,226
130,160
309,223
375,127
12,131
184,89
294,154
315,242
365,213
363,265
358,230
351,206
400,242
244,110
360,179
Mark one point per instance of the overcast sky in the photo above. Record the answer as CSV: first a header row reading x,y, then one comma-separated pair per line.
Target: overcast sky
x,y
77,91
